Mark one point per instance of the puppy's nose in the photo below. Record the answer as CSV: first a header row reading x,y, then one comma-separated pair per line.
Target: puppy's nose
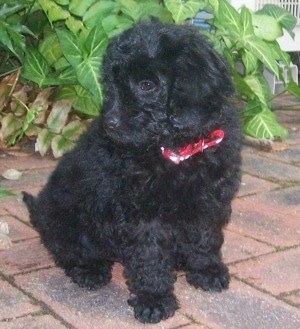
x,y
112,123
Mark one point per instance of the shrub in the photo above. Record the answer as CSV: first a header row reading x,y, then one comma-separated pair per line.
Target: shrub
x,y
57,47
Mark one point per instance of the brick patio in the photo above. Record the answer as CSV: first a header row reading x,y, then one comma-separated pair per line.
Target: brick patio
x,y
262,249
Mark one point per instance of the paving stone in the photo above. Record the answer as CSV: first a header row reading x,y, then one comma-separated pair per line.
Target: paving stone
x,y
24,256
239,307
293,297
87,309
191,326
289,155
238,247
253,185
18,230
34,177
13,303
15,205
286,201
260,222
25,163
33,322
269,168
276,273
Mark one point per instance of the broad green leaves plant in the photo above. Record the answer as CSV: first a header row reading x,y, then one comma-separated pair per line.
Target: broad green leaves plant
x,y
5,193
250,44
49,121
181,10
59,45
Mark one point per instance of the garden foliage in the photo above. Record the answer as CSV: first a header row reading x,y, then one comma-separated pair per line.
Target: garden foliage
x,y
51,53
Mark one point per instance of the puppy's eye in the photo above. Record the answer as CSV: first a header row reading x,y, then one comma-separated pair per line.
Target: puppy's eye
x,y
146,85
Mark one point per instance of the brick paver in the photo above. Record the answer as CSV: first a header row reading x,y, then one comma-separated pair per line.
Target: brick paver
x,y
33,322
277,273
13,303
262,249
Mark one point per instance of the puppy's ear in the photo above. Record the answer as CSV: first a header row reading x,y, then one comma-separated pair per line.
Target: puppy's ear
x,y
202,75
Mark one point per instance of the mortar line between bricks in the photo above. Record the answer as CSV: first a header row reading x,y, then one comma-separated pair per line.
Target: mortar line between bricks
x,y
264,291
252,238
276,251
284,295
28,224
181,326
274,180
263,206
34,270
33,314
38,302
278,160
193,321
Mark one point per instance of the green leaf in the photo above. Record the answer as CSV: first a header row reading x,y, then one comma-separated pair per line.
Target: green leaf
x,y
259,86
71,47
50,49
29,118
266,27
6,10
115,24
53,11
246,18
75,25
62,2
97,12
279,54
5,193
293,88
44,140
79,7
82,98
32,130
88,70
261,50
241,86
67,77
9,125
250,62
130,8
253,108
88,73
73,130
59,115
264,125
12,39
36,67
229,18
96,43
60,145
182,10
282,16
147,10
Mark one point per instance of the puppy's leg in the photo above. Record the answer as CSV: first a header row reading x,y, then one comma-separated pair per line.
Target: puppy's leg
x,y
93,275
207,271
149,269
204,267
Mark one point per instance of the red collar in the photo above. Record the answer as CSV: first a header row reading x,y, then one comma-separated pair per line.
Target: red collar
x,y
187,151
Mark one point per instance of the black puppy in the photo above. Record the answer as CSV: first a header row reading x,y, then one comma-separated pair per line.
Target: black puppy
x,y
150,183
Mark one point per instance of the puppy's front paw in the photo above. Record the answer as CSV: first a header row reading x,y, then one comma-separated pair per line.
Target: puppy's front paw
x,y
89,278
153,308
213,278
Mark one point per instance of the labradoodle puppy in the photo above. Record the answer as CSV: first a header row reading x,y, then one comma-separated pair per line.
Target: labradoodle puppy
x,y
150,183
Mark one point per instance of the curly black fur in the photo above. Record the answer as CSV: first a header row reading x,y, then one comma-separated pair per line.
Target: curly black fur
x,y
116,198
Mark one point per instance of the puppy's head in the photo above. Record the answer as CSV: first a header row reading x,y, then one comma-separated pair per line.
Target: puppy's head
x,y
164,85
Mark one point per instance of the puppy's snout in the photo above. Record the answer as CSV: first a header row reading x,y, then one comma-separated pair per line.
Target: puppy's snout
x,y
112,123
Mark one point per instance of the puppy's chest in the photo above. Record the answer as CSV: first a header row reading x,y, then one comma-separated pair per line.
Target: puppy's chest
x,y
160,191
